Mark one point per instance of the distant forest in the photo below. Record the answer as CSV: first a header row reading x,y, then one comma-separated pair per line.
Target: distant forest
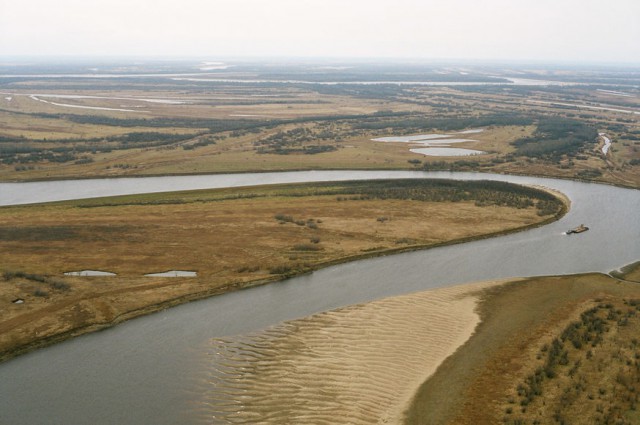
x,y
555,137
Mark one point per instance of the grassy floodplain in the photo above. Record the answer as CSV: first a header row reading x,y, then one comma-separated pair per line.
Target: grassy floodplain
x,y
232,238
560,349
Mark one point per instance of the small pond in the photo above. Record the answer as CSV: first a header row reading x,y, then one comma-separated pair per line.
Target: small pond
x,y
89,273
173,273
447,151
435,144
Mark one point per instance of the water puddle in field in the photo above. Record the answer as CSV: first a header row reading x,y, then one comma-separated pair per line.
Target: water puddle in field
x,y
607,143
436,144
447,151
471,131
173,273
418,138
89,273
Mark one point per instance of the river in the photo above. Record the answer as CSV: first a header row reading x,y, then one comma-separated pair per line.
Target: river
x,y
149,370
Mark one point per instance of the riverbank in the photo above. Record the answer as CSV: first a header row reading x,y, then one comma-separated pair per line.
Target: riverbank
x,y
488,379
239,250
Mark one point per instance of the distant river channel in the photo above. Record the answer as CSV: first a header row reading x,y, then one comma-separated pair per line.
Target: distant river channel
x,y
150,370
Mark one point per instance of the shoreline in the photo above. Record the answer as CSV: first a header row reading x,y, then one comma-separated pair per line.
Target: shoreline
x,y
375,354
235,286
478,383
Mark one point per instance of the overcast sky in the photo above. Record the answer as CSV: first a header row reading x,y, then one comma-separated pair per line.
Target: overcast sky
x,y
566,30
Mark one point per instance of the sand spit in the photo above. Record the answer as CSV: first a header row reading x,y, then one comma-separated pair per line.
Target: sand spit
x,y
356,365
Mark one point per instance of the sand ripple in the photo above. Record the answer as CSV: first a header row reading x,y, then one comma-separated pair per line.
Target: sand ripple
x,y
356,365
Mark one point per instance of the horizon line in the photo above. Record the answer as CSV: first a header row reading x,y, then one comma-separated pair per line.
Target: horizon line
x,y
300,59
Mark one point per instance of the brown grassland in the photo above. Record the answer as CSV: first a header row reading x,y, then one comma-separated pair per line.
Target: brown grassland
x,y
548,350
233,238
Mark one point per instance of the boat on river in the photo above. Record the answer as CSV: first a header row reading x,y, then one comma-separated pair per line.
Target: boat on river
x,y
579,229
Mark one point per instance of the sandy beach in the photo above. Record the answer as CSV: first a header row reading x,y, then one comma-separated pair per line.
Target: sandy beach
x,y
358,365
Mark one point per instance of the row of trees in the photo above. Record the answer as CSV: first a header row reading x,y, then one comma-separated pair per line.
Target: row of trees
x,y
482,192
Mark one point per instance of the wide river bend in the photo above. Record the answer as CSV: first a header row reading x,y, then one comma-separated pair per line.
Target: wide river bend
x,y
148,370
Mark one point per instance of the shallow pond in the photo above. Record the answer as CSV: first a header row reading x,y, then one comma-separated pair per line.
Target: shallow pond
x,y
435,144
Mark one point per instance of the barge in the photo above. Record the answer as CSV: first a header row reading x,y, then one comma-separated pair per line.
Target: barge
x,y
579,229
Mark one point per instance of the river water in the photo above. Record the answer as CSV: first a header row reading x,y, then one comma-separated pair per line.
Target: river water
x,y
149,370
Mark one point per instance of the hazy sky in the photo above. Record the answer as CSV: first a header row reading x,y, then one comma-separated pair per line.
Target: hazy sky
x,y
567,30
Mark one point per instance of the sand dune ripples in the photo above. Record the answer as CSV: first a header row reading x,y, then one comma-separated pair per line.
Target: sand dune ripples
x,y
356,365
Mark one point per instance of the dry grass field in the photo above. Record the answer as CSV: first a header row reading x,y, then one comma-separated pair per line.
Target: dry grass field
x,y
232,238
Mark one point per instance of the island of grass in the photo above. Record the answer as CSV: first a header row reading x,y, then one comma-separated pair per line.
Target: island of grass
x,y
232,239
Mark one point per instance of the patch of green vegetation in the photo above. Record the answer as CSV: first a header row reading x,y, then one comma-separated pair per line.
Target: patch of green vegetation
x,y
54,283
460,165
214,125
590,173
280,269
38,233
573,359
22,150
555,137
307,247
58,232
154,200
483,192
283,140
